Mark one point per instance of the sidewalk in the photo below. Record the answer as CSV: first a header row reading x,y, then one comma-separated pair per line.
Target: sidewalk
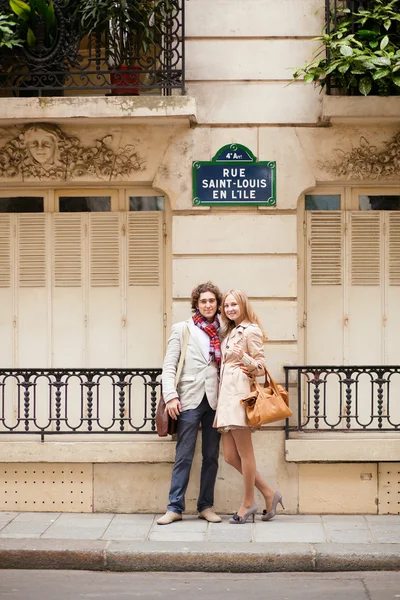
x,y
135,542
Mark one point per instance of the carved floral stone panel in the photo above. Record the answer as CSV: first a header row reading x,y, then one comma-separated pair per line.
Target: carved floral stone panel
x,y
366,161
45,152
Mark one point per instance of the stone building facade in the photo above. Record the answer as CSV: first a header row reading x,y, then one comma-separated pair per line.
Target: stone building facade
x,y
80,289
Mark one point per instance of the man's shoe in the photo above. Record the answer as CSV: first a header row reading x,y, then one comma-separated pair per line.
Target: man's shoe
x,y
209,515
169,517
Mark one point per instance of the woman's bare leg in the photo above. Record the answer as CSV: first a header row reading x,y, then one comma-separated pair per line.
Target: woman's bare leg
x,y
244,446
231,456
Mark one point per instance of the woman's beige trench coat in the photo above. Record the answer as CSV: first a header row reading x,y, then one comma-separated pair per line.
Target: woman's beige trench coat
x,y
234,384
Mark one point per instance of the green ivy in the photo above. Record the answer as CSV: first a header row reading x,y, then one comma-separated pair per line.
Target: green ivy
x,y
361,54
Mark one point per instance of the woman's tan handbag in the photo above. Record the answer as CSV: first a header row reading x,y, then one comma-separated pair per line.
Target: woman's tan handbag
x,y
266,404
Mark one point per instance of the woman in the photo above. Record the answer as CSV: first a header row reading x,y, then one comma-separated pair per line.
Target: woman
x,y
242,357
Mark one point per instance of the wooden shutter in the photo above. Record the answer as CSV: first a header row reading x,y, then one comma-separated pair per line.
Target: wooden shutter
x,y
104,250
326,247
394,248
144,248
32,245
365,248
67,250
5,250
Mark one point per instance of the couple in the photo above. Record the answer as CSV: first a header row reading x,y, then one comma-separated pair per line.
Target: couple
x,y
195,400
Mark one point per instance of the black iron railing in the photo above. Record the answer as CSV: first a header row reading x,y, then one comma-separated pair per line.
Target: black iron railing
x,y
78,401
84,65
345,398
334,10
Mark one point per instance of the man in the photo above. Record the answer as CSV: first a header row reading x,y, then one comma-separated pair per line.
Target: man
x,y
194,401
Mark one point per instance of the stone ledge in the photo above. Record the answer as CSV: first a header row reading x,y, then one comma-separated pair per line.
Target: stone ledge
x,y
143,451
360,109
362,449
138,110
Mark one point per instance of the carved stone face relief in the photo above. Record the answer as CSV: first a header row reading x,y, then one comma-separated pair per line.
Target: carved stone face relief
x,y
43,151
366,161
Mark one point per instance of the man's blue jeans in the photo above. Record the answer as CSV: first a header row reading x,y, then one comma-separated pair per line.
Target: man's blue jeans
x,y
187,429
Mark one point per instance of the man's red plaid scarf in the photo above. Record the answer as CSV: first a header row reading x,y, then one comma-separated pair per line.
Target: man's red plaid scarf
x,y
211,329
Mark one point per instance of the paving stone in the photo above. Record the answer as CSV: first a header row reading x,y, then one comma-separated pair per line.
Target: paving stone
x,y
28,525
296,519
388,532
5,517
382,518
279,531
343,519
188,525
225,532
129,527
80,527
347,531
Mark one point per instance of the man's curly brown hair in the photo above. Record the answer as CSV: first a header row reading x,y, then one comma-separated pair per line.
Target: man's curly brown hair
x,y
206,287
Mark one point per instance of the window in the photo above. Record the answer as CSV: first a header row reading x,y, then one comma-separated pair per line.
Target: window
x,y
22,204
322,202
85,203
376,202
146,202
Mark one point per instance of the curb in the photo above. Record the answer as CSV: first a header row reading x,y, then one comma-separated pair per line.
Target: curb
x,y
194,557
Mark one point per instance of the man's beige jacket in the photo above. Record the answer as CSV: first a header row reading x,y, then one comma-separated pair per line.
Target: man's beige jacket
x,y
199,376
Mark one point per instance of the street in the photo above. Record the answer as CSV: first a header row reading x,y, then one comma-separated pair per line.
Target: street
x,y
68,585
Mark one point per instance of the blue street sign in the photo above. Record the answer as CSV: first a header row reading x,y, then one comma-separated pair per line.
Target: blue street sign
x,y
234,177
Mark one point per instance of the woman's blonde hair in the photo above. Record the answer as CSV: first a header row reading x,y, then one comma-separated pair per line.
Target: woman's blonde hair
x,y
246,312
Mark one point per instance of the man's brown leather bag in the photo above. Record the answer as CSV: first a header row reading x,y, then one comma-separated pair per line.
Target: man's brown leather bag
x,y
165,424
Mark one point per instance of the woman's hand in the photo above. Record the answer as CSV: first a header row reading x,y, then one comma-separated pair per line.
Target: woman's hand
x,y
173,408
238,350
245,371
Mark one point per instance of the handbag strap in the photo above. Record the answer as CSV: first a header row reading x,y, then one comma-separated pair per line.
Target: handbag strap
x,y
182,356
272,382
268,380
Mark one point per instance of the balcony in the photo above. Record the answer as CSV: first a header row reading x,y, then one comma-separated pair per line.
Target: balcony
x,y
343,414
108,61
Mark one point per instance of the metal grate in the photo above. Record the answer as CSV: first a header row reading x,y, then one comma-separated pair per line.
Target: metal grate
x,y
78,65
389,489
46,487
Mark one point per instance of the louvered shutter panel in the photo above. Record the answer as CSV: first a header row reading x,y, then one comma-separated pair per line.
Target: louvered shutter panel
x,y
144,248
326,247
67,250
365,248
364,300
394,248
104,250
32,246
5,250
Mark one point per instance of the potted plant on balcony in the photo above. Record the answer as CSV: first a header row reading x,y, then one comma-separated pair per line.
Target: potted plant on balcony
x,y
9,32
361,52
129,28
39,64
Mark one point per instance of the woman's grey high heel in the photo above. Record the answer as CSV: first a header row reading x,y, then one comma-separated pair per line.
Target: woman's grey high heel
x,y
277,499
237,520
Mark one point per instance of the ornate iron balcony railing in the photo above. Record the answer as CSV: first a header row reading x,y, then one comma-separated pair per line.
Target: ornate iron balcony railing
x,y
78,65
344,398
78,401
334,10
